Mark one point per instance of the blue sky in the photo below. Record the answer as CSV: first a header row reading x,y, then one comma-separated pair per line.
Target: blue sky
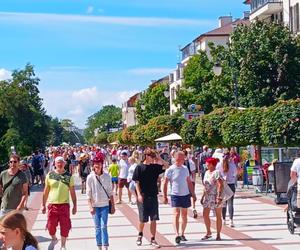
x,y
90,53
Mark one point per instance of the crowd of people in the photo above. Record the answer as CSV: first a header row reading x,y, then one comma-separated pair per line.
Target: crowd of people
x,y
104,173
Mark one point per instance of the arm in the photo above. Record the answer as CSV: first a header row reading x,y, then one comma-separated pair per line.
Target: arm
x,y
219,190
293,176
45,198
160,161
191,187
165,190
139,193
74,200
24,196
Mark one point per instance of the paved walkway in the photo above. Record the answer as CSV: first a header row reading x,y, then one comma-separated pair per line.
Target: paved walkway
x,y
260,224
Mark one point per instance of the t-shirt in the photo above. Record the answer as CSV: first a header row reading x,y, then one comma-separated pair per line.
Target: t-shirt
x,y
296,168
147,176
178,180
59,185
114,170
130,172
12,195
124,167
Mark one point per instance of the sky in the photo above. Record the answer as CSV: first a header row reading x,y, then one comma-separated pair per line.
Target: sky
x,y
90,53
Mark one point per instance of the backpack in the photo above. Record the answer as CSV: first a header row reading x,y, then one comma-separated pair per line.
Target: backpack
x,y
36,164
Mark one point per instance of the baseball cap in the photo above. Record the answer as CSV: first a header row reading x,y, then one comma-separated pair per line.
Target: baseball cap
x,y
124,152
59,158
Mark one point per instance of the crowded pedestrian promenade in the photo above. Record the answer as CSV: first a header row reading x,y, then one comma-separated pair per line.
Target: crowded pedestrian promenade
x,y
68,209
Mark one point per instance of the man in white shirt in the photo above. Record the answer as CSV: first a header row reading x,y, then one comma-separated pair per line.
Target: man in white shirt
x,y
295,177
181,190
123,174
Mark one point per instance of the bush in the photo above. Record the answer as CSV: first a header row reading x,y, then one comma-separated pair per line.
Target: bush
x,y
188,132
281,124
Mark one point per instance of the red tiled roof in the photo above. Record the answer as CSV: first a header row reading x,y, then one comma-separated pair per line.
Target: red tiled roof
x,y
226,30
132,100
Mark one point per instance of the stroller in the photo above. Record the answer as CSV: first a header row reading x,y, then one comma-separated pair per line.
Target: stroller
x,y
293,212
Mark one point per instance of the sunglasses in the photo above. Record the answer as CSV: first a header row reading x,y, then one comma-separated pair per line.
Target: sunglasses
x,y
13,161
151,155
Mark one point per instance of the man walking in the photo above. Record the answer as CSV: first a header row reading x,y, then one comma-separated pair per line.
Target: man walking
x,y
13,187
145,176
59,183
181,190
123,174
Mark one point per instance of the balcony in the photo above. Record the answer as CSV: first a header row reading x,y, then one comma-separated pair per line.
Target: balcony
x,y
263,9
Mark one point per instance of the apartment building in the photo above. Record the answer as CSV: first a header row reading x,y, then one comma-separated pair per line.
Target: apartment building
x,y
280,11
218,36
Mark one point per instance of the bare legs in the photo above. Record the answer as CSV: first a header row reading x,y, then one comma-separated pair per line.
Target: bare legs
x,y
207,221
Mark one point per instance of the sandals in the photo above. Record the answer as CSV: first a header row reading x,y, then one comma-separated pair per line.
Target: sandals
x,y
206,237
139,240
218,238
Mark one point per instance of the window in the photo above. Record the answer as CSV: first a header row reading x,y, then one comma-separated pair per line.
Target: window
x,y
296,14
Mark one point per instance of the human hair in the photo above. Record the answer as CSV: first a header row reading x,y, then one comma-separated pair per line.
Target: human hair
x,y
132,159
15,156
226,163
14,220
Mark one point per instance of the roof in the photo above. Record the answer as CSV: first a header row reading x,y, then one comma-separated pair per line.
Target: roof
x,y
226,30
247,2
171,137
132,100
164,79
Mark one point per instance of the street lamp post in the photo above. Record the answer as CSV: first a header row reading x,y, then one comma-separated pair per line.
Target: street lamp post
x,y
217,69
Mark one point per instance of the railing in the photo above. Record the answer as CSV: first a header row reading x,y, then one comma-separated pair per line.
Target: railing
x,y
256,4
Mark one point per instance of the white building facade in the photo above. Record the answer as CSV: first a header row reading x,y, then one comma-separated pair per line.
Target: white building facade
x,y
280,11
218,36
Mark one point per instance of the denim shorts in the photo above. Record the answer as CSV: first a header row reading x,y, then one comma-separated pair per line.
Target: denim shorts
x,y
181,201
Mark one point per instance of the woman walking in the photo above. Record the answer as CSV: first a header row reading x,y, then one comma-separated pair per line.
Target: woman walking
x,y
228,170
211,199
133,164
99,193
14,233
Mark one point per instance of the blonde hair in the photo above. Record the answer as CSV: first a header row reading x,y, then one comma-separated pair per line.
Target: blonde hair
x,y
132,159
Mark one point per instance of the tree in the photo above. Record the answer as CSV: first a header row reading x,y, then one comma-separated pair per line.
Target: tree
x,y
104,120
154,103
281,124
163,125
188,132
266,57
101,138
139,137
25,120
209,128
242,128
127,135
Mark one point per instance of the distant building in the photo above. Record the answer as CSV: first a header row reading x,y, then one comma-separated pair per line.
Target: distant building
x,y
279,11
218,36
128,108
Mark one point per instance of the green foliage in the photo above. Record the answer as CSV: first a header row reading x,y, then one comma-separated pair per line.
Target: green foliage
x,y
281,124
242,128
209,128
267,59
263,60
115,137
154,102
25,124
127,135
101,138
162,126
106,118
188,132
139,137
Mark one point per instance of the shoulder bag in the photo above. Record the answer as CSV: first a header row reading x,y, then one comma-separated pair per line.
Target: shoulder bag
x,y
227,192
110,204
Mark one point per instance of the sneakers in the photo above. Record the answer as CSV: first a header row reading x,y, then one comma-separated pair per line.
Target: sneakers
x,y
231,223
139,240
154,243
177,239
52,244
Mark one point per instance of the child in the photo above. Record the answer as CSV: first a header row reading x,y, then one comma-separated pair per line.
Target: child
x,y
113,170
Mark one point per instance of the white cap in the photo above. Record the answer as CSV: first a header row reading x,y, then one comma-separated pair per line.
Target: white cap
x,y
59,158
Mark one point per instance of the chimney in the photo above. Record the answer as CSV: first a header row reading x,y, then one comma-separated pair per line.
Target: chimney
x,y
246,15
224,20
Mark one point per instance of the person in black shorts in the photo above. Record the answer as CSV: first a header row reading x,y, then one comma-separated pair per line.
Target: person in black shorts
x,y
145,176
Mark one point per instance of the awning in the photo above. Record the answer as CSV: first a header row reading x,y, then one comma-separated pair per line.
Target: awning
x,y
171,137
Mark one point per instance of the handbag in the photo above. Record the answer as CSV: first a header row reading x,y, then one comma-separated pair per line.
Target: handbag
x,y
227,193
109,203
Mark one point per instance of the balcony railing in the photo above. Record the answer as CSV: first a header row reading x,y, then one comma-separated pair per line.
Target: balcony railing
x,y
256,4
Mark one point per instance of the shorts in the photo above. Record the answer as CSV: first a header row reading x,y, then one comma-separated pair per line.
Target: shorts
x,y
123,183
148,209
38,172
59,213
114,180
132,186
181,201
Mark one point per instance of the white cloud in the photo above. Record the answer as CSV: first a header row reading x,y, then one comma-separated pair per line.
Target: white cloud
x,y
90,9
46,18
150,71
80,104
4,74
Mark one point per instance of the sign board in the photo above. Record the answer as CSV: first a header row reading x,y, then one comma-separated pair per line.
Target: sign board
x,y
192,115
282,172
161,145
